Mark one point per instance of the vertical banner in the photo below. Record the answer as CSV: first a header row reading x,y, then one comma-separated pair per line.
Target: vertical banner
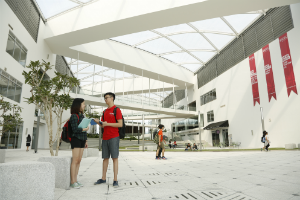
x,y
254,82
269,72
287,64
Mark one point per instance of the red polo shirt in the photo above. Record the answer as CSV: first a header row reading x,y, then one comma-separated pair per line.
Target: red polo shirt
x,y
109,117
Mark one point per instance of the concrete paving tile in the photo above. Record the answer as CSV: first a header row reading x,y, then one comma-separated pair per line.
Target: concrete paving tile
x,y
263,193
236,185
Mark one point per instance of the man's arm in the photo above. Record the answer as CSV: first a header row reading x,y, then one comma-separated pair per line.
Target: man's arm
x,y
117,125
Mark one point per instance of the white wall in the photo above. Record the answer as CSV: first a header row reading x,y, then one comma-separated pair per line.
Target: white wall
x,y
36,51
235,92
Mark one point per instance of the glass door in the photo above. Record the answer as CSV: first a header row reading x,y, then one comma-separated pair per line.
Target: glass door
x,y
225,137
215,139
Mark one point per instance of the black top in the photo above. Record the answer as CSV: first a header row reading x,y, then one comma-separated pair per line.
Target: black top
x,y
28,138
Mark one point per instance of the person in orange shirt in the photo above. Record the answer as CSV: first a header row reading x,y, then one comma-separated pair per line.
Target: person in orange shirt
x,y
161,142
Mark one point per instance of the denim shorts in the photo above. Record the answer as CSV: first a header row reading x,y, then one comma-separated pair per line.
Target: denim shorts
x,y
110,148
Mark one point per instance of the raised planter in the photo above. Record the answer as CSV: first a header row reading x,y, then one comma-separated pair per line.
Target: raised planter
x,y
2,155
62,170
27,180
290,146
92,152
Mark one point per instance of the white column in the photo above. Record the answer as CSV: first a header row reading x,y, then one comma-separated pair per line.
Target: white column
x,y
77,73
123,84
93,81
115,83
142,88
102,81
149,91
143,131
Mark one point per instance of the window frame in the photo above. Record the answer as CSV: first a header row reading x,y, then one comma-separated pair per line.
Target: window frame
x,y
208,97
20,45
210,116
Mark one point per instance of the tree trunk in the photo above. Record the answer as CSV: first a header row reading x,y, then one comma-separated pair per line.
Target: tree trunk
x,y
59,130
50,130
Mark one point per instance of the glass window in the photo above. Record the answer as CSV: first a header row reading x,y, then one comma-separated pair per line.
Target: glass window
x,y
10,45
17,52
210,116
208,97
3,86
11,90
23,58
18,93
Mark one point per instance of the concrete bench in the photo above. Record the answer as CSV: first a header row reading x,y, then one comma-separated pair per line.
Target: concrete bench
x,y
27,180
2,155
290,146
85,153
62,167
91,152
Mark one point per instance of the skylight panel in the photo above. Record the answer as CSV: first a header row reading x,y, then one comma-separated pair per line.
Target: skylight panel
x,y
191,41
159,46
87,69
192,67
110,73
219,40
241,21
135,38
54,7
173,29
180,57
204,56
215,24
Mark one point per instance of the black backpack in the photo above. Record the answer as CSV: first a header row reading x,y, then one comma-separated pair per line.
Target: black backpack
x,y
262,139
121,129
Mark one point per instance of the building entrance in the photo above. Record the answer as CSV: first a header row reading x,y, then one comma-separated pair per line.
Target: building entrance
x,y
215,138
225,137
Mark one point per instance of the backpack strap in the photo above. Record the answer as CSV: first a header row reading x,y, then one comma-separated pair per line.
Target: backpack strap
x,y
103,114
115,114
78,118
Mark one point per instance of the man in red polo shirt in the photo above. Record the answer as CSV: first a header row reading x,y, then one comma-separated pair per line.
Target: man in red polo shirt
x,y
111,140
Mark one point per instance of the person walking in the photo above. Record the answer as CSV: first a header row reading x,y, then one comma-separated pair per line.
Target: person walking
x,y
266,140
170,144
28,140
110,144
161,142
78,139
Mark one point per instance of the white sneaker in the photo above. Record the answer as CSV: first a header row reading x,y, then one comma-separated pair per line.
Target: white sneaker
x,y
75,185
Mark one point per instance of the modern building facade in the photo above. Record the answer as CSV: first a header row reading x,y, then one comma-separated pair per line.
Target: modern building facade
x,y
239,68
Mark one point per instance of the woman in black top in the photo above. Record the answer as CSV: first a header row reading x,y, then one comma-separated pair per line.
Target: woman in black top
x,y
78,139
28,140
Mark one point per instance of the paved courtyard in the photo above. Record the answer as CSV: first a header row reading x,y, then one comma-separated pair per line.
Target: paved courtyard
x,y
187,175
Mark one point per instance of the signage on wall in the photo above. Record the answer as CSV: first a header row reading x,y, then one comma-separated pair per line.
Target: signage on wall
x,y
253,76
269,72
287,64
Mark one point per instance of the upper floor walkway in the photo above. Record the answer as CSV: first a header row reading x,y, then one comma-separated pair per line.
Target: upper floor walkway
x,y
153,110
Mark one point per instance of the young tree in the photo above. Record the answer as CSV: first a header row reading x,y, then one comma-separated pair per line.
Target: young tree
x,y
10,116
50,95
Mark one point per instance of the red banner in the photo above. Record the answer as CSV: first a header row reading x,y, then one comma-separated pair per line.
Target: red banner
x,y
269,72
287,64
254,82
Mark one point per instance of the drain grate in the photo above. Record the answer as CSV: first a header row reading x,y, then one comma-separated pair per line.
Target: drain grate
x,y
188,195
224,195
